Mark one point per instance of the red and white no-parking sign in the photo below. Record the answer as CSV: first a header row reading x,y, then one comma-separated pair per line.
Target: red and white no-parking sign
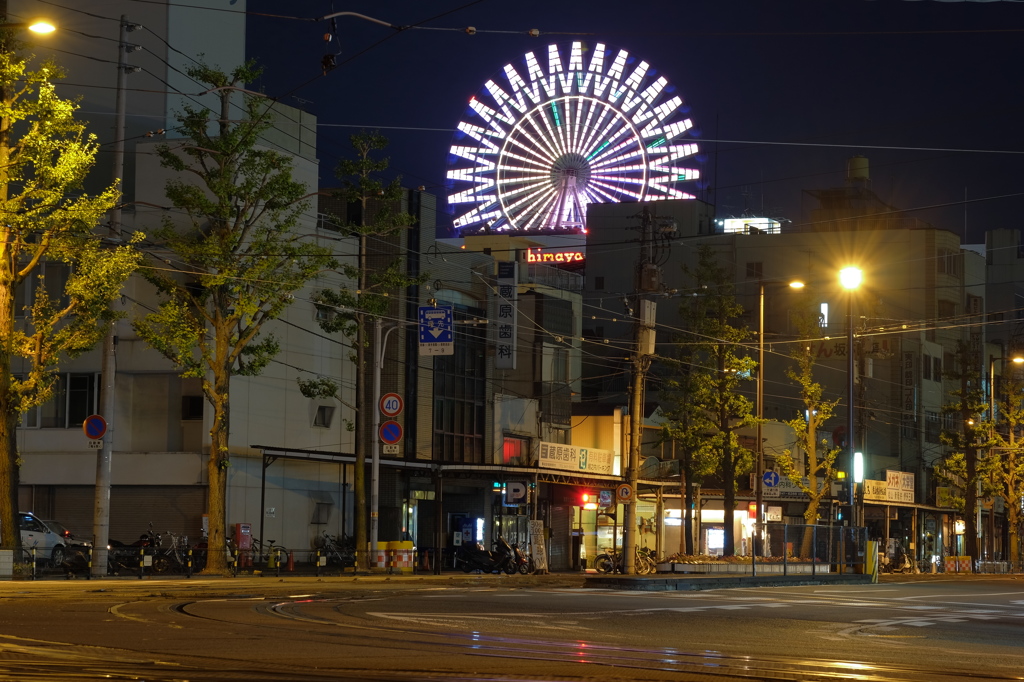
x,y
391,404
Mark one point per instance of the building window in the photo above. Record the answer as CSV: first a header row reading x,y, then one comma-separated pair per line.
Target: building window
x,y
754,271
926,366
324,416
75,397
937,368
516,450
947,262
560,436
947,310
191,407
931,427
909,426
560,364
51,276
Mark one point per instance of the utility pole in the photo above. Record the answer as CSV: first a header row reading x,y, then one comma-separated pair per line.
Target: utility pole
x,y
648,280
108,368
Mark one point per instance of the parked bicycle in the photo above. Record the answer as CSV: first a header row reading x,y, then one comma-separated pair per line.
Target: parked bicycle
x,y
262,552
611,562
338,550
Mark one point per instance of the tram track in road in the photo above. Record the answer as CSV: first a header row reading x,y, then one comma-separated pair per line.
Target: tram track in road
x,y
610,661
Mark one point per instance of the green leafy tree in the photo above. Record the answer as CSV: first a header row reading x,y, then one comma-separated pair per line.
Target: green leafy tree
x,y
1006,462
964,407
354,308
688,426
819,456
240,261
716,372
45,155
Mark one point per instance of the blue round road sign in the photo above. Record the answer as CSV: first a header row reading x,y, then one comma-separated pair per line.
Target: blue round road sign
x,y
390,432
94,426
771,479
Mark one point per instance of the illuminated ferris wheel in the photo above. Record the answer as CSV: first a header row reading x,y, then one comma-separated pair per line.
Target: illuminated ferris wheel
x,y
543,143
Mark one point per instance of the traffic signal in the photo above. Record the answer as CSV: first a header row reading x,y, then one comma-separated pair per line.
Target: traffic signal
x,y
844,487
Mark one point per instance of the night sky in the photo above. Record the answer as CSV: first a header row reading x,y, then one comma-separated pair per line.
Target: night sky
x,y
782,92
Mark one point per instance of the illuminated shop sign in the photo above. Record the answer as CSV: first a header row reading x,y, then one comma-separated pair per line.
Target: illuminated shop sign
x,y
548,256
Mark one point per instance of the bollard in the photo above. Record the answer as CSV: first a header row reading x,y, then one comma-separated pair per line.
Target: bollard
x,y
318,563
142,560
277,561
188,563
33,563
291,560
234,563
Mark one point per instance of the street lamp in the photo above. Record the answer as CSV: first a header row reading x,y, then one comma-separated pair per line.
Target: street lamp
x,y
759,476
850,278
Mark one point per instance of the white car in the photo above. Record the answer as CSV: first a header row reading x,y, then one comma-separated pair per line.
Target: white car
x,y
51,541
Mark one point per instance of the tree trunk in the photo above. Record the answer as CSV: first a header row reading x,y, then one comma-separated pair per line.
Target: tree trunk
x,y
8,424
811,519
971,504
219,460
729,498
686,542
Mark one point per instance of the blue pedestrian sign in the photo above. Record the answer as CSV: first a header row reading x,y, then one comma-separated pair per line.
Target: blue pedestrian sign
x,y
436,324
771,479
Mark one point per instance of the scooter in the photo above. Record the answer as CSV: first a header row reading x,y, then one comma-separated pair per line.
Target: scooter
x,y
475,558
523,562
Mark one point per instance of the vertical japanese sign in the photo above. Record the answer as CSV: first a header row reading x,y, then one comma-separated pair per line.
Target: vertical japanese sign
x,y
505,312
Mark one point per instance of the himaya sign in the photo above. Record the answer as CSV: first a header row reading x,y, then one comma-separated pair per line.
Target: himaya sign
x,y
539,255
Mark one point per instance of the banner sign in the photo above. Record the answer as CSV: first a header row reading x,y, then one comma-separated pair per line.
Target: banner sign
x,y
573,458
505,324
899,486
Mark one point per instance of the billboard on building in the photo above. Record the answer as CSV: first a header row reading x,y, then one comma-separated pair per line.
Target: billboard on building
x,y
574,458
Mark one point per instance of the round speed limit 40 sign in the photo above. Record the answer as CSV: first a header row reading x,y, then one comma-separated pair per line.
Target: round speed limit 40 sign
x,y
391,404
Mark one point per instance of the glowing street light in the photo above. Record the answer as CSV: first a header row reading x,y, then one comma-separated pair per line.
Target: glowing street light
x,y
850,278
41,26
759,474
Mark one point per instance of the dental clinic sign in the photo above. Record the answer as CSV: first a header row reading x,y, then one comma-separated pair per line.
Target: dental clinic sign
x,y
573,458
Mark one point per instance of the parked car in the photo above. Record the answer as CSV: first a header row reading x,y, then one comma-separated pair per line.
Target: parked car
x,y
53,543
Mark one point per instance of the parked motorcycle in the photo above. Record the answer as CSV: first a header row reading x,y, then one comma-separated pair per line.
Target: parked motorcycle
x,y
475,558
524,562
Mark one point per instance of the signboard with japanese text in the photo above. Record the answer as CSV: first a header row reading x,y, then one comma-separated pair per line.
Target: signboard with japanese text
x,y
875,491
436,325
899,486
505,323
784,489
833,348
574,458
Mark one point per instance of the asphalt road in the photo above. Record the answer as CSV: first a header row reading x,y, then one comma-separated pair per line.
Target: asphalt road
x,y
508,628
